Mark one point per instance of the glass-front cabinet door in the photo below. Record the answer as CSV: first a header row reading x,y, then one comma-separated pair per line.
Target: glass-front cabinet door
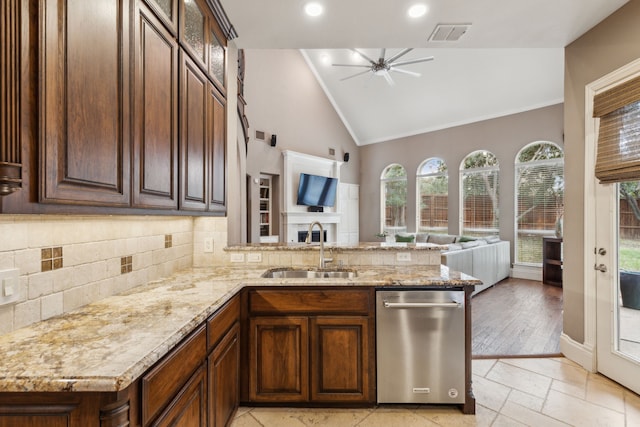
x,y
167,11
193,29
217,59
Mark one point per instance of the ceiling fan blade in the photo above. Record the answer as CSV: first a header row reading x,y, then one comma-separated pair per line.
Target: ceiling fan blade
x,y
382,53
412,61
355,75
399,70
362,55
388,78
398,55
352,65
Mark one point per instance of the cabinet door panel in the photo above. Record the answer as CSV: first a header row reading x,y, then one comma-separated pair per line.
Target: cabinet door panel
x,y
189,407
84,104
193,135
162,382
224,379
340,358
279,359
218,153
155,163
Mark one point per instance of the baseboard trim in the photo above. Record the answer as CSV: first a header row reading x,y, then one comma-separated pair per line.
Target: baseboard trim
x,y
582,354
526,272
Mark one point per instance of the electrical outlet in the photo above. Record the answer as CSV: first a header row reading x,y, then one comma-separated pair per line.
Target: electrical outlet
x,y
254,257
208,244
403,256
237,257
9,286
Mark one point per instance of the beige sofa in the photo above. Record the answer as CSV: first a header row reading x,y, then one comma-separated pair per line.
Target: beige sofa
x,y
487,259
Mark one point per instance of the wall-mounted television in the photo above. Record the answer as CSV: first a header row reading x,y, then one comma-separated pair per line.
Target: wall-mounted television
x,y
315,190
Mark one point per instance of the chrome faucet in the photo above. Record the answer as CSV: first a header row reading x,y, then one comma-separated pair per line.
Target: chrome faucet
x,y
323,260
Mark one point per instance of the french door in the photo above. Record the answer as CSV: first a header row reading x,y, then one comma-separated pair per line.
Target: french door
x,y
616,262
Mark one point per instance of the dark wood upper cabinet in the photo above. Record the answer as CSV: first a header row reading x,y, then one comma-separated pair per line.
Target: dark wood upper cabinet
x,y
194,132
84,102
155,154
218,160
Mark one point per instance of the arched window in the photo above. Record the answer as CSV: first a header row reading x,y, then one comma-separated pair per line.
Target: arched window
x,y
432,184
539,169
479,176
393,190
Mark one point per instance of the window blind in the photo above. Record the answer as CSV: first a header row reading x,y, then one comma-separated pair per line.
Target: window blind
x,y
540,188
618,148
479,202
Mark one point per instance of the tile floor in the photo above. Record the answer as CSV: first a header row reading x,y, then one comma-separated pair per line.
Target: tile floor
x,y
536,392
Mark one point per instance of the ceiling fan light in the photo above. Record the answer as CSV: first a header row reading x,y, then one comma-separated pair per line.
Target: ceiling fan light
x,y
313,9
417,10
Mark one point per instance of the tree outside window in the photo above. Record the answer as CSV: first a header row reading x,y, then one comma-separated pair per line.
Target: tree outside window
x,y
539,199
479,173
394,199
433,196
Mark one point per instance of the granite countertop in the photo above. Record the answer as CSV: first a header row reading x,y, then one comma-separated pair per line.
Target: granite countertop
x,y
336,247
107,345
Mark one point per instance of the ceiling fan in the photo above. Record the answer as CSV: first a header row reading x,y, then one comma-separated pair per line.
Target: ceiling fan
x,y
383,67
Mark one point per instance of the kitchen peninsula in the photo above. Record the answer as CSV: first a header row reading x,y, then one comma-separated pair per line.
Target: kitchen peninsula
x,y
177,347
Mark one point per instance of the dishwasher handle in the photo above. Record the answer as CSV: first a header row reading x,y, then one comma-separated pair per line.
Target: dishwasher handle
x,y
451,304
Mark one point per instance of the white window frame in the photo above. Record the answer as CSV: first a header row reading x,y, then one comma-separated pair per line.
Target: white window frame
x,y
517,167
383,196
419,176
462,172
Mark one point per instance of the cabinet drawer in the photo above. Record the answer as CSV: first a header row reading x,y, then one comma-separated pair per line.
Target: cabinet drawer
x,y
307,301
221,321
164,380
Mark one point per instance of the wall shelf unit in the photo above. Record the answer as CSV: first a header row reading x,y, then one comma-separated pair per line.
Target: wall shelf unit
x,y
552,261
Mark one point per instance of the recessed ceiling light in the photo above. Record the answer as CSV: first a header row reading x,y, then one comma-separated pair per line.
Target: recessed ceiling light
x,y
325,58
417,10
313,9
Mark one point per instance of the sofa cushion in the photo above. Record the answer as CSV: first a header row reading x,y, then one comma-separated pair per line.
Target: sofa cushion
x,y
441,239
421,237
454,247
492,239
472,244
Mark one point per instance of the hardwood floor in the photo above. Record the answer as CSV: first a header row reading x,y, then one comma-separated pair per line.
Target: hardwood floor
x,y
517,317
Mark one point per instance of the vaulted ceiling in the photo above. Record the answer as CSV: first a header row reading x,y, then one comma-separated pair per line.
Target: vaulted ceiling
x,y
510,59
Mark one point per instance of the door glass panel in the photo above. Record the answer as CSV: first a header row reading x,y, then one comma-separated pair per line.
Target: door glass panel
x,y
165,6
216,59
194,27
629,269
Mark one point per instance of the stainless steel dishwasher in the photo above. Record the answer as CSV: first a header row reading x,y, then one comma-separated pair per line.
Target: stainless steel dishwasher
x,y
420,343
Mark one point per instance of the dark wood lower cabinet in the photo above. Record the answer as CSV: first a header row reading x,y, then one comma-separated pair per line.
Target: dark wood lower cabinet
x,y
188,409
224,379
319,358
279,359
340,362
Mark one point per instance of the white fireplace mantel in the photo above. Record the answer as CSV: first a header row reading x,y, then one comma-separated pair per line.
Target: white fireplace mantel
x,y
295,217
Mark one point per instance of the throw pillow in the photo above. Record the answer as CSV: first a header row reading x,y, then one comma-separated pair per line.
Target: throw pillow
x,y
463,239
407,238
421,237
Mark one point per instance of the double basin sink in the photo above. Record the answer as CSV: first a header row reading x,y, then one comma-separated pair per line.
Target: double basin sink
x,y
302,273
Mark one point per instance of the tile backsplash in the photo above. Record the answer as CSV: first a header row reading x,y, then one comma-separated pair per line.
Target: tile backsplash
x,y
69,261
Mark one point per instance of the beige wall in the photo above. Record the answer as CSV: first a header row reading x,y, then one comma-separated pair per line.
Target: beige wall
x,y
284,98
503,136
607,47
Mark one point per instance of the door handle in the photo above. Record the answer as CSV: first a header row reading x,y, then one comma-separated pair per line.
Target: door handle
x,y
600,267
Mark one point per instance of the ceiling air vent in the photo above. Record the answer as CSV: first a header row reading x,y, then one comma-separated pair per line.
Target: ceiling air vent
x,y
448,32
